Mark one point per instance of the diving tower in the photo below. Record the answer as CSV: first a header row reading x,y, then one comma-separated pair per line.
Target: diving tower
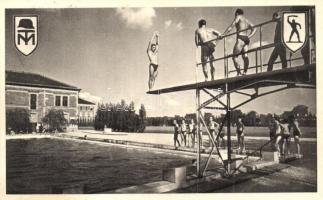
x,y
219,92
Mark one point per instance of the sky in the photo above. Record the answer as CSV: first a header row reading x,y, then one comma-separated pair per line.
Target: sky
x,y
103,52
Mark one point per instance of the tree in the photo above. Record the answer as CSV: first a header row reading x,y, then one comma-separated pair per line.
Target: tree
x,y
235,114
55,120
18,120
300,111
250,119
142,118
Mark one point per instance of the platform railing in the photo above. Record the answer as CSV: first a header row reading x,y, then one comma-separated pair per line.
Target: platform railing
x,y
259,62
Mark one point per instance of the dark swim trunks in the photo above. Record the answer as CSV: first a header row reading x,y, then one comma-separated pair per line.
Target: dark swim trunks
x,y
207,49
244,38
154,66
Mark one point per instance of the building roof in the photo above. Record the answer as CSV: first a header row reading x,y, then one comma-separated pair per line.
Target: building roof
x,y
35,80
82,101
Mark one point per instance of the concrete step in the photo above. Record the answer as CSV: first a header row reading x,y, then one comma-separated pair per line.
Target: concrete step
x,y
154,187
289,158
252,166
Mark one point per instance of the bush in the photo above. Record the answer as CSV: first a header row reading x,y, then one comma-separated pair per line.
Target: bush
x,y
55,120
18,120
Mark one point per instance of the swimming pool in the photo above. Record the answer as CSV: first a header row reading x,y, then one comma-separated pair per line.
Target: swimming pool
x,y
38,166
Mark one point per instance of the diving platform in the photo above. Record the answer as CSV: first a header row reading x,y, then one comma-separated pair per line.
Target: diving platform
x,y
217,93
294,75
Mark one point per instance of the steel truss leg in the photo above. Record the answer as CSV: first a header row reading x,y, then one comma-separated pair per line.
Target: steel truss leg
x,y
198,132
213,145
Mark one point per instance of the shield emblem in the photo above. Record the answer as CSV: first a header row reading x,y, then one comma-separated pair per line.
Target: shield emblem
x,y
26,33
294,30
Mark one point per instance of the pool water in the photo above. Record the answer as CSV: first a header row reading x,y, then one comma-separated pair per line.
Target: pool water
x,y
40,166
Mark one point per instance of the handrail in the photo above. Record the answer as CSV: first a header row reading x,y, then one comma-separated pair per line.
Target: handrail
x,y
252,153
230,34
256,66
232,55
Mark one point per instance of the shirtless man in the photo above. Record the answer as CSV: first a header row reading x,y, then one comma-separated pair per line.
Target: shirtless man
x,y
152,52
184,132
243,39
279,49
213,127
202,36
176,133
240,136
296,131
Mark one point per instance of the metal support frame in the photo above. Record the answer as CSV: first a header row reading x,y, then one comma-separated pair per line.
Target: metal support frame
x,y
227,164
226,105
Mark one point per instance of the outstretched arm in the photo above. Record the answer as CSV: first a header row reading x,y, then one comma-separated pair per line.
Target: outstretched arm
x,y
253,30
236,19
288,19
215,32
148,48
157,40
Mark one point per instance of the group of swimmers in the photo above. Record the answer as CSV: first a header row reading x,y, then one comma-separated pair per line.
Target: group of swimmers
x,y
186,132
280,133
204,36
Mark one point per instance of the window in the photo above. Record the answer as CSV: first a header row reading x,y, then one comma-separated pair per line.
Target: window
x,y
57,100
33,101
65,100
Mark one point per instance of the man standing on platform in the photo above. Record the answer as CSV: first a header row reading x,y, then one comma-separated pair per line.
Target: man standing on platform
x,y
202,37
279,49
243,39
152,52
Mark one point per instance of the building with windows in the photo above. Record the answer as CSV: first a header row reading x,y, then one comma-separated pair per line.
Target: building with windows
x,y
87,112
38,94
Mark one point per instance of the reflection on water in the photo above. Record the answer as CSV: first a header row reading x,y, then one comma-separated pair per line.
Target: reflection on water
x,y
39,165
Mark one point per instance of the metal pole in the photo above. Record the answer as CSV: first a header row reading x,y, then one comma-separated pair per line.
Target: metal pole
x,y
225,67
308,34
198,154
257,61
229,133
260,30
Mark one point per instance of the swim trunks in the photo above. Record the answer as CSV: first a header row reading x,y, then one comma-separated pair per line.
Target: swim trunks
x,y
244,38
154,66
240,133
207,50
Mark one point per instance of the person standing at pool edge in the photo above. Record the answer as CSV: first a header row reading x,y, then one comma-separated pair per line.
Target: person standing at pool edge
x,y
240,136
242,40
176,132
294,128
184,131
152,52
202,36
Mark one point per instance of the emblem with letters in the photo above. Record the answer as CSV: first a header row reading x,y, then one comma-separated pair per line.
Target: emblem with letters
x,y
26,33
295,30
